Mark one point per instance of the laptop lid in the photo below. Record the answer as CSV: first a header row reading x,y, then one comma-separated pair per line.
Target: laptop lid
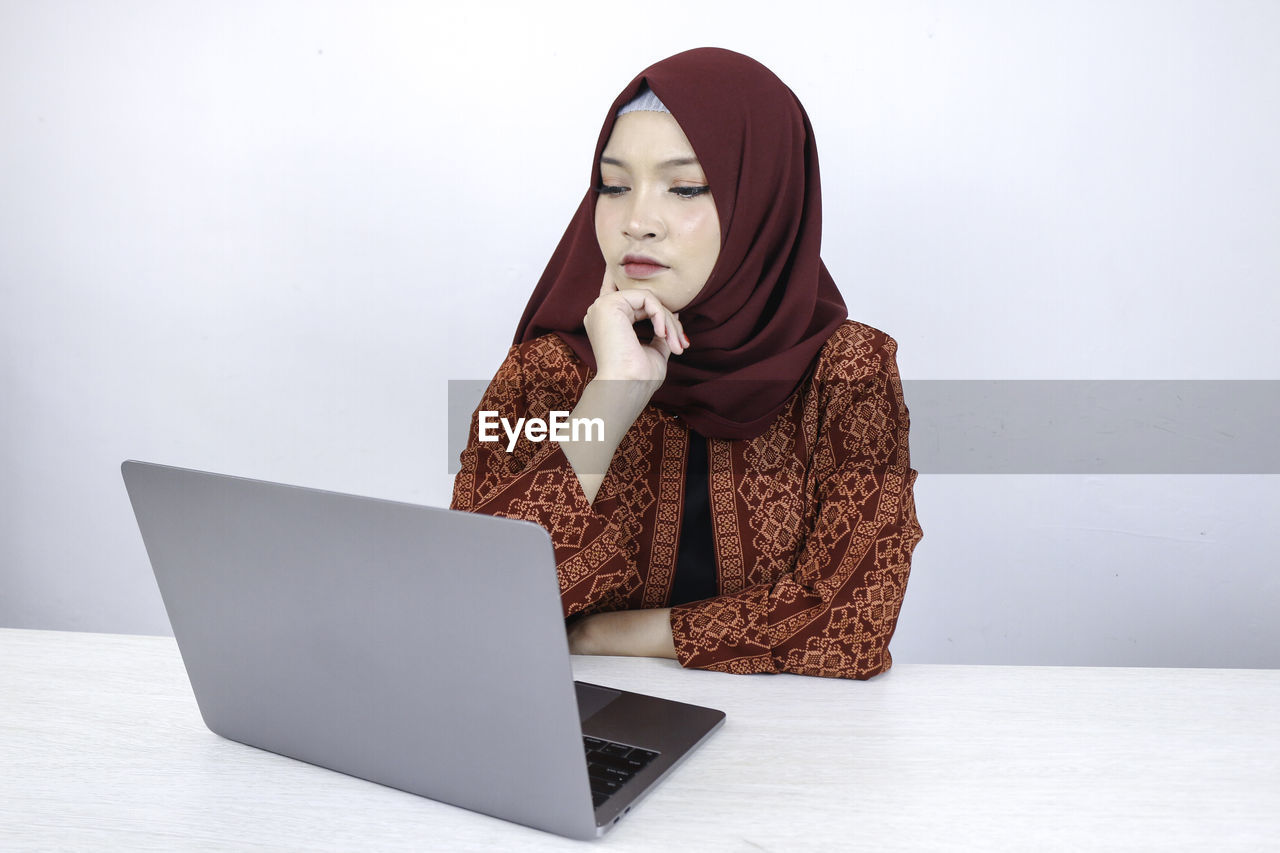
x,y
417,647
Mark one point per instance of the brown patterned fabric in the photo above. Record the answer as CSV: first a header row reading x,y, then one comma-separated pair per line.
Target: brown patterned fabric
x,y
814,519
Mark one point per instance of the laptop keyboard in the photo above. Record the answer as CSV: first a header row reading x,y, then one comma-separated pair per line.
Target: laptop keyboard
x,y
610,765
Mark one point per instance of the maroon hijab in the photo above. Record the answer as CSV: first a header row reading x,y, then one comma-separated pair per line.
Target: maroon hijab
x,y
769,304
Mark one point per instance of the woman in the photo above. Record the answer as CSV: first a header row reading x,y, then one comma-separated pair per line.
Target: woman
x,y
748,504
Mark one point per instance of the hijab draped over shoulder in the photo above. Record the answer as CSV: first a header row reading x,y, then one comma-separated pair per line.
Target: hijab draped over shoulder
x,y
769,304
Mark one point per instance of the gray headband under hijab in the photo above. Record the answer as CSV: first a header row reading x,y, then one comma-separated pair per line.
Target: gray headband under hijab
x,y
646,101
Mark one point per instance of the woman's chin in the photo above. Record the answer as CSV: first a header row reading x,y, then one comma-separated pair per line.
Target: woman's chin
x,y
647,287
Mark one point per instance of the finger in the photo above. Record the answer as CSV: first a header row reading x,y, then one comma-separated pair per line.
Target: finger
x,y
660,344
645,306
666,326
636,301
607,286
676,334
669,332
684,339
675,339
658,317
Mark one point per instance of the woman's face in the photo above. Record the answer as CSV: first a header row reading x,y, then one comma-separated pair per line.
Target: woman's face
x,y
655,219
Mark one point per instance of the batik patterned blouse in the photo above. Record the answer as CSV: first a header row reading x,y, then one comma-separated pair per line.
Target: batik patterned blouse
x,y
814,520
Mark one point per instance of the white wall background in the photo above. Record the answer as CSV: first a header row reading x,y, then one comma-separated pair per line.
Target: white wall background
x,y
259,238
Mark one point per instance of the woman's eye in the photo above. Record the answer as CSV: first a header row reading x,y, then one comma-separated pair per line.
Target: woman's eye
x,y
607,189
690,192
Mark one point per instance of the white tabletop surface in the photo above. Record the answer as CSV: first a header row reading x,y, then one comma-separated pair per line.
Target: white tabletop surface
x,y
102,747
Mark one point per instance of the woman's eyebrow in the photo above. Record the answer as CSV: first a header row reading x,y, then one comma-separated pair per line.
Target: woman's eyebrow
x,y
665,164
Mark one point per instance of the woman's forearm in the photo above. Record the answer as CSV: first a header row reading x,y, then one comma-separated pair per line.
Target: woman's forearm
x,y
638,633
616,403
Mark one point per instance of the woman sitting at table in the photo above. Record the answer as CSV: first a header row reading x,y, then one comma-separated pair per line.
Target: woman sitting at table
x,y
747,505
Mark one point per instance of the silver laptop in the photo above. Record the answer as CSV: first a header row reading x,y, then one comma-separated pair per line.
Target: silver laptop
x,y
421,648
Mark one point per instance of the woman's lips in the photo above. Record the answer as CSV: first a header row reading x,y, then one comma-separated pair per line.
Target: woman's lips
x,y
640,269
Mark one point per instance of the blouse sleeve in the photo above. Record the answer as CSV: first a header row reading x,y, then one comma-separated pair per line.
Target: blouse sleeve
x,y
834,613
535,482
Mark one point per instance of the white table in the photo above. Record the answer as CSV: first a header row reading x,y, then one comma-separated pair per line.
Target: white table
x,y
102,747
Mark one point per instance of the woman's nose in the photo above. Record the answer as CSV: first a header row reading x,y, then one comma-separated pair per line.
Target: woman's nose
x,y
643,221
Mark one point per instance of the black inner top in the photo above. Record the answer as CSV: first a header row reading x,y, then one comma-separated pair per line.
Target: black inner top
x,y
696,560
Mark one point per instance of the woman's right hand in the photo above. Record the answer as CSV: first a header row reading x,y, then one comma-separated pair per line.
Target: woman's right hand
x,y
619,354
610,323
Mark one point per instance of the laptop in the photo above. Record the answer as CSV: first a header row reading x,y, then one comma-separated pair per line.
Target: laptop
x,y
417,647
